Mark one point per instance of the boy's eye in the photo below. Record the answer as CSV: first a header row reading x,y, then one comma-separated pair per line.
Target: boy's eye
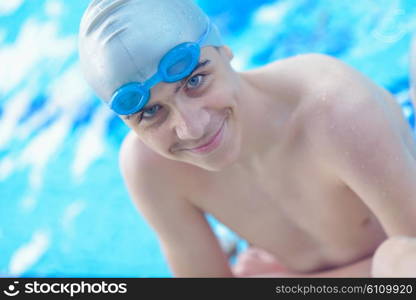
x,y
150,112
195,81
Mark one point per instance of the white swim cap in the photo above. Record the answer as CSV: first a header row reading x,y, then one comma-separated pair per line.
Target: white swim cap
x,y
122,41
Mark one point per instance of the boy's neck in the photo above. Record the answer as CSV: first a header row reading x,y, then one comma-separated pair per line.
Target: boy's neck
x,y
263,119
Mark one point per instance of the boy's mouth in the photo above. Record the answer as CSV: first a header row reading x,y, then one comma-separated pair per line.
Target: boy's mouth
x,y
211,143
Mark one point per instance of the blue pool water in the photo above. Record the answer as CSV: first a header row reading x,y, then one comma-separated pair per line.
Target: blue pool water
x,y
63,208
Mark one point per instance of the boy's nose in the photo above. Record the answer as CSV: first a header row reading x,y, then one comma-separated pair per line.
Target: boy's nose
x,y
191,122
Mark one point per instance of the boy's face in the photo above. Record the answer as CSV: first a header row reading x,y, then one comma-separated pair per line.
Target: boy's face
x,y
194,120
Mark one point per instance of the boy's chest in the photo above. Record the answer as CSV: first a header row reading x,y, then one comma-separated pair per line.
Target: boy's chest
x,y
306,221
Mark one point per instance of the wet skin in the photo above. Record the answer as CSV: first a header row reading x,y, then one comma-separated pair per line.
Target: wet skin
x,y
300,157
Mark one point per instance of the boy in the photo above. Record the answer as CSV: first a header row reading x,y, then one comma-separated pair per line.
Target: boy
x,y
305,158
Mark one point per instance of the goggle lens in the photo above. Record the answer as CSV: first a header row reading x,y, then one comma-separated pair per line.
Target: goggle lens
x,y
179,62
130,99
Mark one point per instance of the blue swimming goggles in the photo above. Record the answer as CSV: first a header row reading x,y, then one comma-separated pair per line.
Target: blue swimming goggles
x,y
175,65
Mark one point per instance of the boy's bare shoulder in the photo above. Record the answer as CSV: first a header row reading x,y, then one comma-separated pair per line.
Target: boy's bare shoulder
x,y
316,71
304,64
134,153
330,83
333,94
304,76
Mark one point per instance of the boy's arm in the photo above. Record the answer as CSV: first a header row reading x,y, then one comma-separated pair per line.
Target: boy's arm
x,y
374,160
364,145
396,257
255,262
187,240
358,269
